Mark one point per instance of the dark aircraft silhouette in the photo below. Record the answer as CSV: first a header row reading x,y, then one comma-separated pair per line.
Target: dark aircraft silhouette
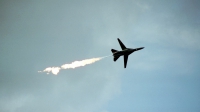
x,y
125,51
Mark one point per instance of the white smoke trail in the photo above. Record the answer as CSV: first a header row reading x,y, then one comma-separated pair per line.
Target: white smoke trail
x,y
75,64
54,70
80,63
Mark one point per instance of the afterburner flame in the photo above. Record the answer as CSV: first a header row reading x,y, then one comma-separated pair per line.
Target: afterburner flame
x,y
75,64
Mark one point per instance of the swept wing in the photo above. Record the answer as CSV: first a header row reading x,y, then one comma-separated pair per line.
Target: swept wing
x,y
121,44
125,60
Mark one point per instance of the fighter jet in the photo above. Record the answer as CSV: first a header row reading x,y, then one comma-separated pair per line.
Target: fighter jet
x,y
125,52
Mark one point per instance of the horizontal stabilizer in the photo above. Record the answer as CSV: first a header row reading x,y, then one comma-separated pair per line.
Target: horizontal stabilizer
x,y
116,57
113,50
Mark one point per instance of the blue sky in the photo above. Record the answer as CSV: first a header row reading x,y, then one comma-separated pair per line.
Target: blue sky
x,y
162,77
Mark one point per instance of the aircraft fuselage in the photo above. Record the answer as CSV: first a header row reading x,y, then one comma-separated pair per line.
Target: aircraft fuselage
x,y
126,51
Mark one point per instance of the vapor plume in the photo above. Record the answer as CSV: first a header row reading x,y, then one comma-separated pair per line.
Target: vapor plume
x,y
75,64
80,63
54,70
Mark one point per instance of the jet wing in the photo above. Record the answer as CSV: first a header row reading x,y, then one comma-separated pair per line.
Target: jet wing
x,y
125,60
121,44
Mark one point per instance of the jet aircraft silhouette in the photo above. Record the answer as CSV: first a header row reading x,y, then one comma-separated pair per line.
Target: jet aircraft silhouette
x,y
125,52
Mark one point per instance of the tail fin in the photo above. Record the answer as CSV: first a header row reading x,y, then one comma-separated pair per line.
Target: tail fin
x,y
113,50
115,57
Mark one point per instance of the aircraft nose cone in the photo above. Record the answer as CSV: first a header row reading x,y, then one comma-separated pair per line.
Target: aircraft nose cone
x,y
139,48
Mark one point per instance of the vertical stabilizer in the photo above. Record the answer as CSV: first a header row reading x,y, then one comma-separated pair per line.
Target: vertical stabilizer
x,y
113,51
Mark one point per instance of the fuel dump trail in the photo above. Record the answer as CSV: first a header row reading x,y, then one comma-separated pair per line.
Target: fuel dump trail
x,y
75,64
